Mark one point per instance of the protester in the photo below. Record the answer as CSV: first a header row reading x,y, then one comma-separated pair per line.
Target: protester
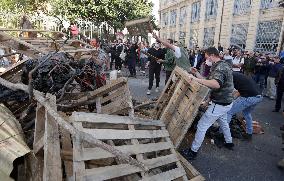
x,y
220,48
74,30
273,68
132,57
227,57
279,81
249,64
181,56
154,66
169,62
238,62
221,82
249,97
143,57
118,50
260,72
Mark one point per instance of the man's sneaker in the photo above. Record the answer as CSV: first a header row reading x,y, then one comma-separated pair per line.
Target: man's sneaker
x,y
282,128
229,146
118,71
191,155
247,137
143,72
157,89
149,92
274,110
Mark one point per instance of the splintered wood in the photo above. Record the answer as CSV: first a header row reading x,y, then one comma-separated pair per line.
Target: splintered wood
x,y
113,98
178,104
146,140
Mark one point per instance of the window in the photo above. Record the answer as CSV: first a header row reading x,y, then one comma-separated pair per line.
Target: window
x,y
183,15
211,9
239,35
165,19
266,4
242,7
208,40
267,36
173,17
193,39
195,12
164,36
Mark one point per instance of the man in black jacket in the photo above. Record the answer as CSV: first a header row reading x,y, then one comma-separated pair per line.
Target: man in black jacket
x,y
154,66
118,61
279,81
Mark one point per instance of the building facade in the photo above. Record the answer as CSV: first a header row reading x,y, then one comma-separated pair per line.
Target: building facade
x,y
248,24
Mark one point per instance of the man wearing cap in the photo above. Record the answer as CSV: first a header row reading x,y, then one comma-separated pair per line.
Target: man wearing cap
x,y
220,81
181,55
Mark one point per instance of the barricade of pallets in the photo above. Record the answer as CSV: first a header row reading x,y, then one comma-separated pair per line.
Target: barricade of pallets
x,y
178,104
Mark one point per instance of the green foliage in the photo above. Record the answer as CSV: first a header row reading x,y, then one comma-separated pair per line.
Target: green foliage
x,y
114,12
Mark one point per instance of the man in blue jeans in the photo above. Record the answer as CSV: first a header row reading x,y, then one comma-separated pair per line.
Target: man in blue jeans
x,y
249,97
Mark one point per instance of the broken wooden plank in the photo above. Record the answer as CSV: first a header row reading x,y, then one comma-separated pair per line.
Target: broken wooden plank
x,y
52,160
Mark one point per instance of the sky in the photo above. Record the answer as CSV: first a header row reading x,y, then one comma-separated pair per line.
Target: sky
x,y
155,9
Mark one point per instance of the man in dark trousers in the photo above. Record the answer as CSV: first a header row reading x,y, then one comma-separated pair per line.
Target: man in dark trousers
x,y
118,61
132,57
279,81
155,66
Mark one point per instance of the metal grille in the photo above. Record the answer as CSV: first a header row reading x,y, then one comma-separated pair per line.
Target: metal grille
x,y
211,9
182,17
242,7
173,17
193,39
195,12
266,4
239,35
165,19
208,37
267,37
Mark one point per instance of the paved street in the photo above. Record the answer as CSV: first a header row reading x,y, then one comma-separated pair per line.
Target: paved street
x,y
249,161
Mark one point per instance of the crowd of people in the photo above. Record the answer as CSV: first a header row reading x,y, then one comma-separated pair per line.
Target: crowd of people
x,y
238,80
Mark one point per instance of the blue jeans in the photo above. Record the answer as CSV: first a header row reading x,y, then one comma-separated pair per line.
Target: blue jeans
x,y
245,105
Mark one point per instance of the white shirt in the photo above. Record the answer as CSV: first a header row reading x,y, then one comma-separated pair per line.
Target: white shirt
x,y
237,61
195,61
177,52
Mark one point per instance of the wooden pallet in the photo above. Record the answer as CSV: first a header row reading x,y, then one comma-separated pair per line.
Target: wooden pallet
x,y
146,140
113,98
178,104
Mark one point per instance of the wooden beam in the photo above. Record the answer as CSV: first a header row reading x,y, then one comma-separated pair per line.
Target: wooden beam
x,y
52,160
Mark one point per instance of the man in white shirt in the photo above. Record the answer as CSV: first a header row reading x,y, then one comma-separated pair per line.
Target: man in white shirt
x,y
238,62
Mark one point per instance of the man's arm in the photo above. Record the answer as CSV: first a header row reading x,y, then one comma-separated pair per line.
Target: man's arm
x,y
213,84
165,43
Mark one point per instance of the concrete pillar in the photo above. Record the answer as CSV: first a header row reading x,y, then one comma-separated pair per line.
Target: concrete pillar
x,y
201,23
223,27
281,38
253,22
188,21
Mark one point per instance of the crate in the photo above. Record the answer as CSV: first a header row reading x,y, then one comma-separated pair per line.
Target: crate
x,y
179,103
113,98
146,140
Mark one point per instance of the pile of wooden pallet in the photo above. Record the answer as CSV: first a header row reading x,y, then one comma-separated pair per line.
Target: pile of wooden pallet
x,y
110,144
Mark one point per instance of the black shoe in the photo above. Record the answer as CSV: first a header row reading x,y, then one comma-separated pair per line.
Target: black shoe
x,y
247,137
282,128
229,146
191,155
274,110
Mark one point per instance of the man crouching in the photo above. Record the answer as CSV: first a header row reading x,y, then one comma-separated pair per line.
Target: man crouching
x,y
220,81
